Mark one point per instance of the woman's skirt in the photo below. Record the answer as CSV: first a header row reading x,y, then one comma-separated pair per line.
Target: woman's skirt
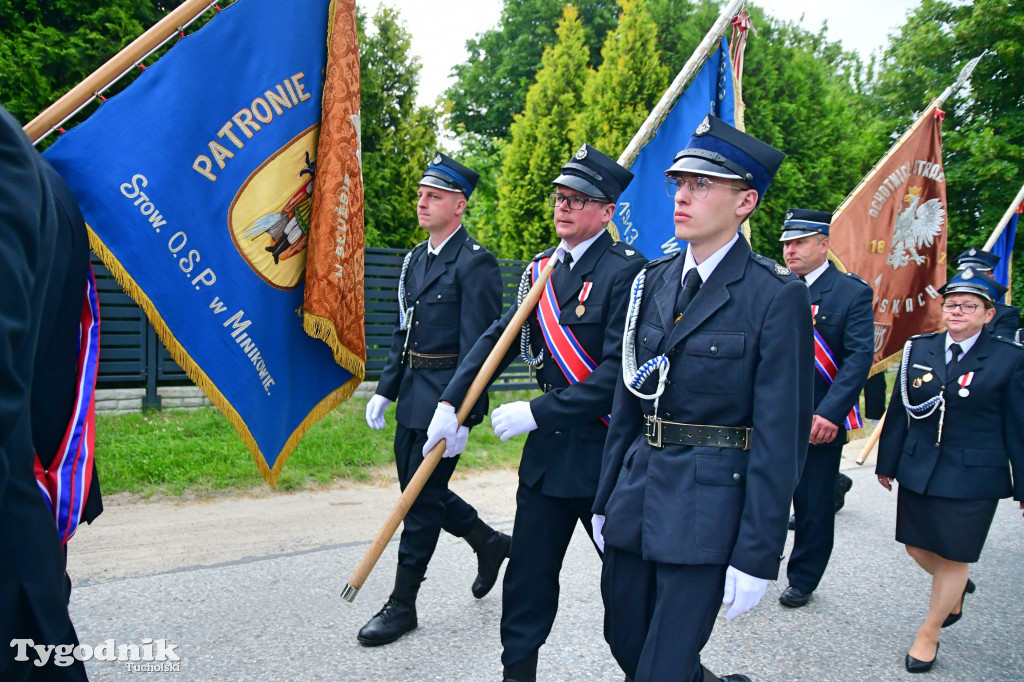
x,y
953,529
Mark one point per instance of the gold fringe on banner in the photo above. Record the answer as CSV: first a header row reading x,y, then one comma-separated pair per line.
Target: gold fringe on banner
x,y
200,379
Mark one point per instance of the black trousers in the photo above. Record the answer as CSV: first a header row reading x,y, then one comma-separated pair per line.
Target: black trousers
x,y
543,528
814,504
658,617
435,508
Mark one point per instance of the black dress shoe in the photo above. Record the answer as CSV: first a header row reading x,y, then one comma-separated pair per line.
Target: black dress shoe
x,y
954,617
711,677
390,623
792,522
843,485
492,548
915,666
794,597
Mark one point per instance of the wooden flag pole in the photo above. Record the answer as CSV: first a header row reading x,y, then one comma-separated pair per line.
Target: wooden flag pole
x,y
872,440
75,99
412,490
965,73
682,79
1014,205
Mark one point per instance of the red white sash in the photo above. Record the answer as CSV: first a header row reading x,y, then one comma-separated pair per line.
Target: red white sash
x,y
566,350
65,485
828,368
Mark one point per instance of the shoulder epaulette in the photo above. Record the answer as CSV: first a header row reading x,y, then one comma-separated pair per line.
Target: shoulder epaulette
x,y
923,336
780,271
857,278
660,261
474,245
625,251
1009,341
546,253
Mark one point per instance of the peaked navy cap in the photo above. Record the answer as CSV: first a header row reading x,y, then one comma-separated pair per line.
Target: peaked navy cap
x,y
595,174
448,174
801,222
719,150
981,260
971,281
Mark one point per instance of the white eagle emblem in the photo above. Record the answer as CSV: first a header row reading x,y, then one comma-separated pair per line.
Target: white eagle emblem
x,y
437,160
582,153
703,128
915,228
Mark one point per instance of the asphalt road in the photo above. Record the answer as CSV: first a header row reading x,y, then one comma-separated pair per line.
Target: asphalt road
x,y
280,617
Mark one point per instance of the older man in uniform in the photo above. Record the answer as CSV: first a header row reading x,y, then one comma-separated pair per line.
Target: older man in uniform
x,y
574,341
448,294
708,436
1007,318
843,350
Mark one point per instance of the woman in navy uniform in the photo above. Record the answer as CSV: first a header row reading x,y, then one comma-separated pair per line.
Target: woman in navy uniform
x,y
953,432
707,441
449,293
562,454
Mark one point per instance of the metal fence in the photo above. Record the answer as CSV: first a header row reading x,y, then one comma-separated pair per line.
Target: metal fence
x,y
131,355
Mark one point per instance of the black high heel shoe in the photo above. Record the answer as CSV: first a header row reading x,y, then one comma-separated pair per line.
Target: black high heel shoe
x,y
915,666
954,617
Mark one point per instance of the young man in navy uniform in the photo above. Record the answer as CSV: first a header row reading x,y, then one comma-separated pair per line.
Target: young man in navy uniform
x,y
707,440
844,344
449,293
33,599
1007,317
575,332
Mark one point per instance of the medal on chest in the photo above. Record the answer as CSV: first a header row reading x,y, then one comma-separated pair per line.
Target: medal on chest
x,y
584,295
965,381
814,314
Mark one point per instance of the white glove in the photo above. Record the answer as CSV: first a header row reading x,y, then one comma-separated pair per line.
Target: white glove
x,y
375,411
743,591
598,525
461,437
445,425
512,419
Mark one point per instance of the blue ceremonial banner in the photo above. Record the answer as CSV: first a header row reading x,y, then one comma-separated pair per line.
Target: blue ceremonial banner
x,y
196,183
643,216
1004,249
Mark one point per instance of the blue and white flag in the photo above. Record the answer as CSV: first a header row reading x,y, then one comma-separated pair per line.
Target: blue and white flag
x,y
196,183
643,216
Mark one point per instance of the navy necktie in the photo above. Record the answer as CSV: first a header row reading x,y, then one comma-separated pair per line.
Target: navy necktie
x,y
691,285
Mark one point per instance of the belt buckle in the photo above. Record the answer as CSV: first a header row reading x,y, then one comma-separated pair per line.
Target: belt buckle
x,y
653,431
746,437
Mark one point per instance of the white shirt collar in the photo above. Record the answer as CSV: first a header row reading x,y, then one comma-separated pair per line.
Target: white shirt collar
x,y
817,272
578,251
708,266
432,251
965,345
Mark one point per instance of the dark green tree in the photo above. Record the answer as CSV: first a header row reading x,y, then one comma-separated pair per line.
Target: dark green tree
x,y
398,138
540,143
622,92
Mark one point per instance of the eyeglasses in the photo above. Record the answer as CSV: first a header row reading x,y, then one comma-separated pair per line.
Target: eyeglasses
x,y
967,308
576,203
699,187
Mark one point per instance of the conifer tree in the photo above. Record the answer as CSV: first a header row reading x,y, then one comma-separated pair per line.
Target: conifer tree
x,y
540,143
631,79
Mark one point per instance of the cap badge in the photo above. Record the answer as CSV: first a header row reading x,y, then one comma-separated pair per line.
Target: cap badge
x,y
703,128
968,273
437,160
789,216
973,251
582,153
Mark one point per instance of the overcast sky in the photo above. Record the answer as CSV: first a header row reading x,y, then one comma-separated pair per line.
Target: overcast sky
x,y
440,28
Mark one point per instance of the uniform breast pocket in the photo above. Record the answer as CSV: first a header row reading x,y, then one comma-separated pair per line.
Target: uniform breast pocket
x,y
571,315
718,355
443,308
828,318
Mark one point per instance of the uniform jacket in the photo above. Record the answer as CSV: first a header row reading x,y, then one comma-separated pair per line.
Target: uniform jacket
x,y
982,434
31,559
845,320
455,301
563,454
742,355
1005,322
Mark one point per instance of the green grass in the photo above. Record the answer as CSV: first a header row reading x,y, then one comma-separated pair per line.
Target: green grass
x,y
199,454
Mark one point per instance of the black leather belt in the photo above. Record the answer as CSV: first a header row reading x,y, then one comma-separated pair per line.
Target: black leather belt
x,y
431,361
660,433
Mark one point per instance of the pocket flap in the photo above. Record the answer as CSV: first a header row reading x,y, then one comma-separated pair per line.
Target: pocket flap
x,y
715,344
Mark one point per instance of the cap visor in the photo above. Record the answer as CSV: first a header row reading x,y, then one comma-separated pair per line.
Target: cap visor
x,y
439,184
692,164
580,185
790,235
967,288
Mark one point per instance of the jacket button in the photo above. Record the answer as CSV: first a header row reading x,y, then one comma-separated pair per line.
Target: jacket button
x,y
714,349
417,302
439,297
737,477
